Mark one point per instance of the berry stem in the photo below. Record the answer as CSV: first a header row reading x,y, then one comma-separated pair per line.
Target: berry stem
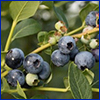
x,y
41,89
48,44
4,74
76,30
10,36
77,36
52,89
47,89
84,33
95,89
41,48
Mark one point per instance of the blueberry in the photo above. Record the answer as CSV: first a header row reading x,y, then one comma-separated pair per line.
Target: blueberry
x,y
59,59
91,18
95,53
14,76
14,58
73,53
32,79
32,63
45,73
84,60
66,44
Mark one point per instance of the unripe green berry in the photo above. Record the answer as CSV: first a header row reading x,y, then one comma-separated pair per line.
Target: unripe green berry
x,y
94,43
59,24
88,28
52,40
84,40
32,79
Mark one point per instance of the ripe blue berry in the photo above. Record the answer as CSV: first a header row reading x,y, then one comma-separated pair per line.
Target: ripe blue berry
x,y
84,60
14,76
95,53
91,18
14,58
66,44
59,59
45,72
73,53
32,63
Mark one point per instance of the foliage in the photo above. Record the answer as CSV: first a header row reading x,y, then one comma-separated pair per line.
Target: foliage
x,y
24,25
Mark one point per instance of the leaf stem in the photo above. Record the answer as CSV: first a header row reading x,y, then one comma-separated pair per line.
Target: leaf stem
x,y
10,36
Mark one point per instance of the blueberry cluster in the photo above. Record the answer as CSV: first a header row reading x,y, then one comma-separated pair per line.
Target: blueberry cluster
x,y
92,40
35,67
92,21
68,51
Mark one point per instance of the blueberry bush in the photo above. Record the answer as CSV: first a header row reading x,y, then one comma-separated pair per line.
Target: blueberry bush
x,y
44,56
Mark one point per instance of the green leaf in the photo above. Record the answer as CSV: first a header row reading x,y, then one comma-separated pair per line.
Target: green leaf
x,y
42,37
50,34
16,96
25,28
39,97
48,51
20,10
3,54
89,75
79,85
20,91
60,15
49,4
5,84
60,3
66,82
95,70
88,8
